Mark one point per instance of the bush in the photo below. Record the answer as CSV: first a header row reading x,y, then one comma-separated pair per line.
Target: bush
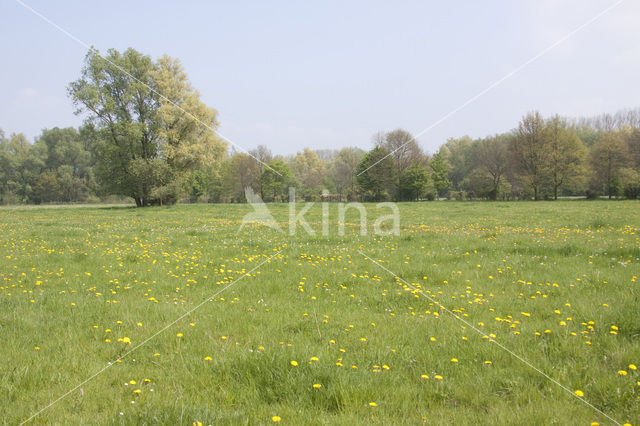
x,y
632,191
591,194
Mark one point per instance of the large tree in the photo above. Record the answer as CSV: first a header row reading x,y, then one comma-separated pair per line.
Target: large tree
x,y
404,151
492,164
608,157
530,151
376,175
309,169
566,154
150,126
343,171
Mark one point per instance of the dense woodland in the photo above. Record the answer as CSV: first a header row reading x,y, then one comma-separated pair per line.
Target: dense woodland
x,y
147,136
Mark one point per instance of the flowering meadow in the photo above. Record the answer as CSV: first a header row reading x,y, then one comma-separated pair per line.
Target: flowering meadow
x,y
477,313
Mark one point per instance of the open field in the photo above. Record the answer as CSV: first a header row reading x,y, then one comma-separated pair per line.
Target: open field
x,y
557,283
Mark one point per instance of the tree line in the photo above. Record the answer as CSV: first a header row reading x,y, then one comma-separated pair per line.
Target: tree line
x,y
148,136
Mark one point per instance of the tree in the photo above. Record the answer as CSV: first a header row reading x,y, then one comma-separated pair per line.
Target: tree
x,y
136,129
309,170
566,153
276,180
529,151
459,154
375,175
414,183
343,171
262,155
493,162
240,171
403,149
439,174
67,162
608,157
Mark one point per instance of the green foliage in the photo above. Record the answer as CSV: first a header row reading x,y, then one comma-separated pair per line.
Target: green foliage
x,y
135,129
439,174
375,175
276,180
414,183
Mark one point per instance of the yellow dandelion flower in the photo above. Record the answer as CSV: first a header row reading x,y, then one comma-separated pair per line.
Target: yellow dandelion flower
x,y
622,373
317,385
424,376
294,363
137,391
275,419
207,358
579,393
373,404
632,367
454,360
179,335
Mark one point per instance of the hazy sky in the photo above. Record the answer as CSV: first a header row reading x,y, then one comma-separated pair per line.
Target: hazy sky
x,y
330,74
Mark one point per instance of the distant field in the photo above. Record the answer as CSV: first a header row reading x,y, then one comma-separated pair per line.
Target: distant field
x,y
556,283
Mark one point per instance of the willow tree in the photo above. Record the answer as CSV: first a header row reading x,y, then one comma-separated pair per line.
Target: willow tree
x,y
150,128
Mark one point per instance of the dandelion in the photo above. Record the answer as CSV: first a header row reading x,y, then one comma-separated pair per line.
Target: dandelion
x,y
632,367
294,363
207,358
126,340
137,391
132,382
622,373
317,385
373,404
275,419
454,360
179,335
579,393
424,376
437,377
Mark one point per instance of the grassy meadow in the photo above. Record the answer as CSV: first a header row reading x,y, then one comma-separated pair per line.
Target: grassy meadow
x,y
314,332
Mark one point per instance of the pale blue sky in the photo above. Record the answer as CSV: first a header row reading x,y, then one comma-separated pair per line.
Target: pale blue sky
x,y
331,74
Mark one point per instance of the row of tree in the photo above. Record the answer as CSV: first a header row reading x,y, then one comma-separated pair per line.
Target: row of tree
x,y
148,136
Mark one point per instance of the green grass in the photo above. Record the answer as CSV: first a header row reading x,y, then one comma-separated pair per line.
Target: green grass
x,y
69,274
